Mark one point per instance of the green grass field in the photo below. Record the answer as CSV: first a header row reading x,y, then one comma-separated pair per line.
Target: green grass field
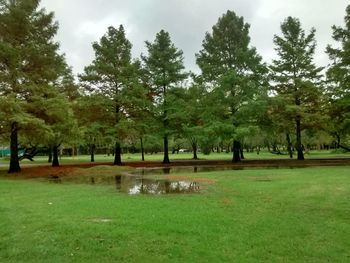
x,y
180,156
260,215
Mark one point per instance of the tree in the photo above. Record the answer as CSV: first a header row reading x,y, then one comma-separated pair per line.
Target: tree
x,y
62,125
140,109
109,75
232,70
338,75
296,77
29,62
193,110
92,116
164,66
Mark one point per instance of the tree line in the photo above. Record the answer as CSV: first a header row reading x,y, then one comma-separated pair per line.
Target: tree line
x,y
236,100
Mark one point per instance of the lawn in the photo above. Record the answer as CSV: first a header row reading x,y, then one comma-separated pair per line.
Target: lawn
x,y
271,215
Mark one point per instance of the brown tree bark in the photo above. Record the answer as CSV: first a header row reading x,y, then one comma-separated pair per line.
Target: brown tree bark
x,y
55,162
236,151
14,160
117,154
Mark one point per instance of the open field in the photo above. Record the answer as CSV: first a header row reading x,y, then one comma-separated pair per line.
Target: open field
x,y
258,215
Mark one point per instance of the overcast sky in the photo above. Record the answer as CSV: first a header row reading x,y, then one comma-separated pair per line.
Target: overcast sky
x,y
85,21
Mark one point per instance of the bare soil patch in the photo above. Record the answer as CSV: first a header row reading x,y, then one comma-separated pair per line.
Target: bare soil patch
x,y
68,169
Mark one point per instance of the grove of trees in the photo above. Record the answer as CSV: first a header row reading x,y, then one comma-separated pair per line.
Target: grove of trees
x,y
153,104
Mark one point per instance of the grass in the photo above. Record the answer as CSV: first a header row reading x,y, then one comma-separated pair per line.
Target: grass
x,y
180,156
274,215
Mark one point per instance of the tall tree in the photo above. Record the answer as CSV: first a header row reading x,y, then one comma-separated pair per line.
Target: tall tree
x,y
231,68
164,66
296,77
339,80
29,62
109,75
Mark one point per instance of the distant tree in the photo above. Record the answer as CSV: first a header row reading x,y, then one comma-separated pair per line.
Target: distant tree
x,y
194,116
92,117
279,122
29,64
339,81
296,77
110,74
164,66
140,108
59,117
232,70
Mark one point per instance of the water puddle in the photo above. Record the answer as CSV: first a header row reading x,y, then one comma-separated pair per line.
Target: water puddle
x,y
150,180
199,169
183,169
133,185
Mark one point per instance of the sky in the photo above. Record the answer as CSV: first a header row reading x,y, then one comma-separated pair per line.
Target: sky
x,y
82,22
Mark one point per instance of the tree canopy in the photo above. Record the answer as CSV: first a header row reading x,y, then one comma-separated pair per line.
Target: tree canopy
x,y
152,103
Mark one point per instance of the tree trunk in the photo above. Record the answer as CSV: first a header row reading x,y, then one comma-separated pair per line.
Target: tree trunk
x,y
92,152
142,150
14,161
344,147
165,125
338,140
55,162
236,151
49,160
228,149
50,155
299,145
289,146
241,151
166,150
194,148
117,155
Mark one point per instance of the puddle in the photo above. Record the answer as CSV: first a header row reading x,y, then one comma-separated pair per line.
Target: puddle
x,y
200,169
150,180
183,169
133,185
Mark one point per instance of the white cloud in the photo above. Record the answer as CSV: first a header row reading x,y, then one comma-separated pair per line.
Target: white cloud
x,y
85,21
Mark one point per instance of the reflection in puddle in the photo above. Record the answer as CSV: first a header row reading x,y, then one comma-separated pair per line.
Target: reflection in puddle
x,y
134,184
151,186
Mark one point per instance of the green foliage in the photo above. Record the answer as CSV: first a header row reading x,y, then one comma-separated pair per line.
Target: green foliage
x,y
233,73
110,75
163,64
163,67
126,101
30,69
164,70
229,63
339,80
296,80
227,50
